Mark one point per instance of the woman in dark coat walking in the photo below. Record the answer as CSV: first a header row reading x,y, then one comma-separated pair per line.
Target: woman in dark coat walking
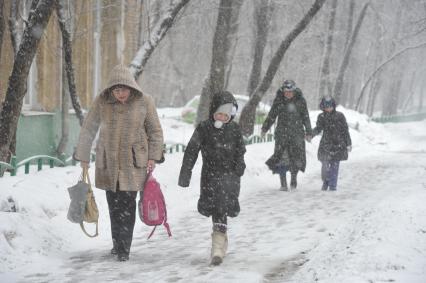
x,y
222,148
292,129
335,142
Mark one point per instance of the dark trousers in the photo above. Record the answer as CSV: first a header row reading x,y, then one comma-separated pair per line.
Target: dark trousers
x,y
122,213
330,173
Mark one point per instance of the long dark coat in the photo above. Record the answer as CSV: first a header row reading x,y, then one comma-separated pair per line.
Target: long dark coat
x,y
223,163
292,126
335,138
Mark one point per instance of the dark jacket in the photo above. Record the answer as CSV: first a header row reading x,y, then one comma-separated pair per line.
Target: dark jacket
x,y
292,126
335,138
223,163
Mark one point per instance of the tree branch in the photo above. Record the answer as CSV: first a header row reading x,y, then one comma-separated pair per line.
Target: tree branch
x,y
381,66
139,61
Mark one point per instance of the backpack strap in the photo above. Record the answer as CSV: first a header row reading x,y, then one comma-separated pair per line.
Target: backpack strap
x,y
165,220
152,232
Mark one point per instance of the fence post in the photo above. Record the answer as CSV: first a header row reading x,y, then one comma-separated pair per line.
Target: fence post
x,y
39,164
13,163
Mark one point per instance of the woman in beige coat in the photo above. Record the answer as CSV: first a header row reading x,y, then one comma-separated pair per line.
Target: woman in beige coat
x,y
130,142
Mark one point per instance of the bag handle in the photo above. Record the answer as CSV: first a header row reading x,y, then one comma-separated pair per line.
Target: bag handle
x,y
86,179
87,234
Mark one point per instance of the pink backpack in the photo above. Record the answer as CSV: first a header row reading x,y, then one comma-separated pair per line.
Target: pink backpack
x,y
152,207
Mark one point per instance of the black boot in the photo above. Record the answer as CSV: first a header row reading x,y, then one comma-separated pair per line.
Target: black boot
x,y
283,181
293,182
114,250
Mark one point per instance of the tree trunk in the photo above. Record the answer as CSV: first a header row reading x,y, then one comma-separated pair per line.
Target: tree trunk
x,y
16,89
344,65
216,78
15,36
14,26
409,101
421,97
1,25
249,111
345,99
69,68
262,13
60,150
231,43
350,22
144,53
325,82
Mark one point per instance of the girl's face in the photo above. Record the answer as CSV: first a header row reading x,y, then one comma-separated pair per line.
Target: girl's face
x,y
221,117
121,93
328,109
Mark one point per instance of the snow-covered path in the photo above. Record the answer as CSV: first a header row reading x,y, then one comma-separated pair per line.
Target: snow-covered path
x,y
373,229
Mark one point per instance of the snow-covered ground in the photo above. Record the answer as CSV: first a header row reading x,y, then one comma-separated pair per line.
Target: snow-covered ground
x,y
373,229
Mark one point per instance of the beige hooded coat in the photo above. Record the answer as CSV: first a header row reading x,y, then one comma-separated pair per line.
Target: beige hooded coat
x,y
130,134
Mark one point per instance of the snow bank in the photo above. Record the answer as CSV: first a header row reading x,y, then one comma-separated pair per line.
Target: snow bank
x,y
34,231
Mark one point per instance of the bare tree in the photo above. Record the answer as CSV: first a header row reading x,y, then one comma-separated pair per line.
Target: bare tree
x,y
337,92
248,114
232,42
216,78
1,24
160,30
67,51
380,68
15,25
349,84
262,15
16,31
65,123
37,21
325,81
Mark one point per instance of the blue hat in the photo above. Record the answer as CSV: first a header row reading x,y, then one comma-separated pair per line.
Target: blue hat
x,y
327,102
289,85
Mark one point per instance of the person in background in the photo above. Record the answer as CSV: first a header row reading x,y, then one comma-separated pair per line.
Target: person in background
x,y
335,142
130,143
222,147
293,127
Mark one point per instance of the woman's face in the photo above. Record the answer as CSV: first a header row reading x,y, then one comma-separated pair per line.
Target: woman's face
x,y
328,109
121,93
288,94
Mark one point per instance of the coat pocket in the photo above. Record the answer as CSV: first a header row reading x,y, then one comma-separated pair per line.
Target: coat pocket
x,y
140,158
101,157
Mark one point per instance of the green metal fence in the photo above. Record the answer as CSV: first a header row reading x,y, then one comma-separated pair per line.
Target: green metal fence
x,y
400,118
41,160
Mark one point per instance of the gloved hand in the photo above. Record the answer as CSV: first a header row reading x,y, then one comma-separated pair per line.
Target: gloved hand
x,y
349,148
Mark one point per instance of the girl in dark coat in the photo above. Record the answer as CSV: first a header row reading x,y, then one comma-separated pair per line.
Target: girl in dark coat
x,y
293,127
335,142
222,148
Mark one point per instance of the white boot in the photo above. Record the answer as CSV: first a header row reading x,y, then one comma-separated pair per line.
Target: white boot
x,y
219,247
